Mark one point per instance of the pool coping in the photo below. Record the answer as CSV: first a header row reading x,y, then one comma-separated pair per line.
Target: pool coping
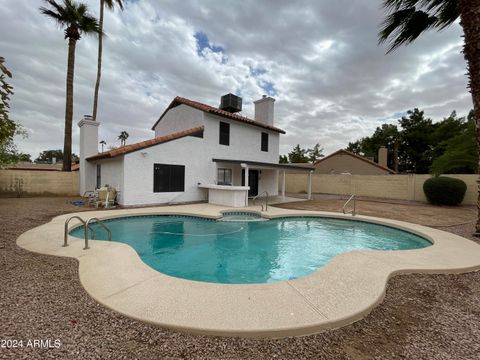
x,y
341,292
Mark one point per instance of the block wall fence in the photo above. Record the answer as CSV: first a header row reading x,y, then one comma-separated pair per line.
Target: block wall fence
x,y
28,183
402,187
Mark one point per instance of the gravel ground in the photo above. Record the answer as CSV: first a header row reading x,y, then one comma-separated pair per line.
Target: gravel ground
x,y
422,316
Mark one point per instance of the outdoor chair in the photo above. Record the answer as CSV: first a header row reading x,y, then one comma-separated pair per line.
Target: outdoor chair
x,y
89,197
106,197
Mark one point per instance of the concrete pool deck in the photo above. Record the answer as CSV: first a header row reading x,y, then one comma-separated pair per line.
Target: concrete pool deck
x,y
343,291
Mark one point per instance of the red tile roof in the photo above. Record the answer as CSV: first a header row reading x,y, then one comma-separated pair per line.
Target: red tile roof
x,y
145,144
346,152
216,111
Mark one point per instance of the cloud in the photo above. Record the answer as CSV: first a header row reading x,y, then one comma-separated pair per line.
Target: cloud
x,y
319,59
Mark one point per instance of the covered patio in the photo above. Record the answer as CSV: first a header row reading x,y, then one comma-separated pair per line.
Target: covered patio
x,y
237,181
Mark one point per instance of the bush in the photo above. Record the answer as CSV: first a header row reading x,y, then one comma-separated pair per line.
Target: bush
x,y
444,190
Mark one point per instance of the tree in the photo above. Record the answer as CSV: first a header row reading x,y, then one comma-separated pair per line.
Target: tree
x,y
315,153
418,142
110,5
407,19
8,127
103,143
77,21
459,155
47,156
283,159
416,145
123,138
387,135
297,155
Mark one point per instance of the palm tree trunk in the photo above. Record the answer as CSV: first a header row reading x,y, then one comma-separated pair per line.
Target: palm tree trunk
x,y
470,21
67,142
99,62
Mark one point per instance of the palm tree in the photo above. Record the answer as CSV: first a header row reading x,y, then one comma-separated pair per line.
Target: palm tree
x,y
123,138
110,5
407,19
103,143
76,20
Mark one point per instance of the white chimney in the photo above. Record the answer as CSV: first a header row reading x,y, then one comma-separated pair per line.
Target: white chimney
x,y
382,156
264,110
88,147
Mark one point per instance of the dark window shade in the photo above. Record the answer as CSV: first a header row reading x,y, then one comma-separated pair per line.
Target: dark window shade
x,y
224,133
99,176
264,146
168,178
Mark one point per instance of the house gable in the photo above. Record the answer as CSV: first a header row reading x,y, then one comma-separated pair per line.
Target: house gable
x,y
197,132
345,161
215,111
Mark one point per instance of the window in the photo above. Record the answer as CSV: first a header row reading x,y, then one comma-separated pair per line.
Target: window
x,y
224,133
168,178
224,177
99,176
264,146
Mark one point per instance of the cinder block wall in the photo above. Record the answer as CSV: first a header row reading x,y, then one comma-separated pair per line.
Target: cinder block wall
x,y
402,187
27,183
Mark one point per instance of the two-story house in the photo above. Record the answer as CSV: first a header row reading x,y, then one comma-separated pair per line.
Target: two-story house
x,y
199,153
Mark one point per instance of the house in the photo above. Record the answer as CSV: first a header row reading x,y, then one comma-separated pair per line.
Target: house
x,y
346,162
199,153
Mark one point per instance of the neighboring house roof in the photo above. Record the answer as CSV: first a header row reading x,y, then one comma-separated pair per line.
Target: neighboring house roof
x,y
345,152
41,167
147,143
216,111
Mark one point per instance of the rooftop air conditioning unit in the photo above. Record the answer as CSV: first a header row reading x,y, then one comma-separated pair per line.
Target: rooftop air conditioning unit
x,y
231,103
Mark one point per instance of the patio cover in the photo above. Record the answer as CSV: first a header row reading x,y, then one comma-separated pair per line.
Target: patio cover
x,y
265,165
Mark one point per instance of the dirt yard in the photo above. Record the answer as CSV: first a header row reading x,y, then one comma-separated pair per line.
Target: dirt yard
x,y
41,298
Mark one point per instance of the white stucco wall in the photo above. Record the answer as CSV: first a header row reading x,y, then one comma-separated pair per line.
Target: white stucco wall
x,y
268,181
188,151
88,147
112,174
245,141
179,118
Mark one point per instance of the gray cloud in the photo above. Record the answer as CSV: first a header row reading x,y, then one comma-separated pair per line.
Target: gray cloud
x,y
333,83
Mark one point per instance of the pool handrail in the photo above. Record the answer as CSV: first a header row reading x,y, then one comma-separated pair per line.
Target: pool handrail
x,y
353,211
99,222
65,234
266,200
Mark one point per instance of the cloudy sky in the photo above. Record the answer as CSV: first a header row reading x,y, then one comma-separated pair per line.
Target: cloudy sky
x,y
319,60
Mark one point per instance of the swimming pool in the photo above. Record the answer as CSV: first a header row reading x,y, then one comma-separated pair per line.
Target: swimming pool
x,y
248,252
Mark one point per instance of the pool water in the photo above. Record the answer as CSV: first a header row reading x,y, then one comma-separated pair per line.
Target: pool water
x,y
248,252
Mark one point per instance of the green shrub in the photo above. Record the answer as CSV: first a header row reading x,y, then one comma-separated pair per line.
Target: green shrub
x,y
444,190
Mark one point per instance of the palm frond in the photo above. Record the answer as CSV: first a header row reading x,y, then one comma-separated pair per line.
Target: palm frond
x,y
72,14
88,25
110,4
407,19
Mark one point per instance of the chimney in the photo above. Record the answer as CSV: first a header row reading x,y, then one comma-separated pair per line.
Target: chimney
x,y
264,110
88,147
382,156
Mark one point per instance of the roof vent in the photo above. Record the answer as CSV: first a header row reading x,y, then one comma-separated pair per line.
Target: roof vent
x,y
231,103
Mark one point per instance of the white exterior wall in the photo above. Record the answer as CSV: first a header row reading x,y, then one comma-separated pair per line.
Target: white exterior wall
x,y
179,118
245,141
88,147
268,181
188,151
112,174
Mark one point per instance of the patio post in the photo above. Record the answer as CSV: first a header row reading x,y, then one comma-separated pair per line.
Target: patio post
x,y
246,184
310,185
283,184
